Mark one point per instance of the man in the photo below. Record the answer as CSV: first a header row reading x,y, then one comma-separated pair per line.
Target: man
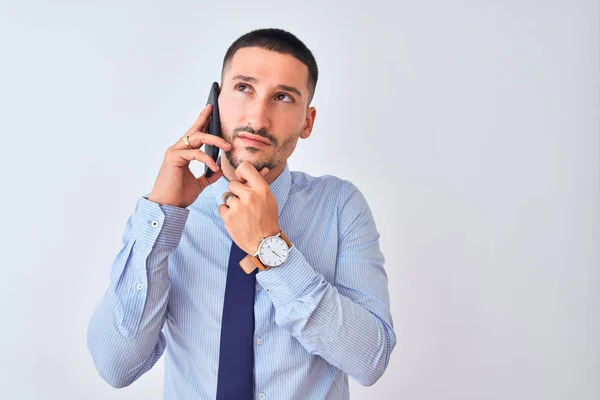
x,y
239,317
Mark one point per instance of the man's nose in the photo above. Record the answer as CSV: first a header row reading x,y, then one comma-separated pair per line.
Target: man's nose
x,y
257,116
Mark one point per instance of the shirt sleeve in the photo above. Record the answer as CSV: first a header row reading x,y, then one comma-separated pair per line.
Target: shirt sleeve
x,y
124,334
348,323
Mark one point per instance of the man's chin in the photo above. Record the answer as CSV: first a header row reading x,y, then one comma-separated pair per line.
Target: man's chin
x,y
235,160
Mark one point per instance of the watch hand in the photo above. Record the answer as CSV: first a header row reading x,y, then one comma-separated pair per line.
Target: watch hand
x,y
269,247
273,252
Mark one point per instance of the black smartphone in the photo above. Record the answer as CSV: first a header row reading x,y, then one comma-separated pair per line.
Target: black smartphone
x,y
214,126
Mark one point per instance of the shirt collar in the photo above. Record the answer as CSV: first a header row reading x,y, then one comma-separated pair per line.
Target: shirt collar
x,y
280,187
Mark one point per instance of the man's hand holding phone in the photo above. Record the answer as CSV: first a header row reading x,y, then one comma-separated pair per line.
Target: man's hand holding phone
x,y
176,185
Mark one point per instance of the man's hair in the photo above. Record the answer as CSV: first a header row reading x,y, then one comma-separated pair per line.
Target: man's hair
x,y
279,41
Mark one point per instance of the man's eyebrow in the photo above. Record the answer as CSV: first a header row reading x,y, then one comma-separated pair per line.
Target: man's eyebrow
x,y
290,89
244,78
250,79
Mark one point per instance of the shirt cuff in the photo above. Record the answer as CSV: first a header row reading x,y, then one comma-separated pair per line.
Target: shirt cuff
x,y
289,281
161,225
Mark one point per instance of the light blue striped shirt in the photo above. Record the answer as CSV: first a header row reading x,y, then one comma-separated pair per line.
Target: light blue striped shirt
x,y
321,317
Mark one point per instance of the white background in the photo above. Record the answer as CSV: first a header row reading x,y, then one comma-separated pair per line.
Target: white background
x,y
472,128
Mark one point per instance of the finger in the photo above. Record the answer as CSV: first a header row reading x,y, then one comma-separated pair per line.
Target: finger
x,y
237,188
195,154
197,139
200,138
204,127
250,175
223,211
181,143
201,120
230,200
204,181
263,172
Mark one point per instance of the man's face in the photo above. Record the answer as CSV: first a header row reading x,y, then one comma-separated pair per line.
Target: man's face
x,y
264,96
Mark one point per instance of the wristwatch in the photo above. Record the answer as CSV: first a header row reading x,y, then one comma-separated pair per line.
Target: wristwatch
x,y
272,252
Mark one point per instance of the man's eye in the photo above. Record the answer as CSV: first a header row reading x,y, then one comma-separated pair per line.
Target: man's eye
x,y
241,87
282,96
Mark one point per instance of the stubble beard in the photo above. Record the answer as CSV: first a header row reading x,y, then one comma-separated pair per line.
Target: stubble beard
x,y
235,161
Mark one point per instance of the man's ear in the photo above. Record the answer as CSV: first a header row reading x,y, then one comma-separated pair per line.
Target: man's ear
x,y
309,122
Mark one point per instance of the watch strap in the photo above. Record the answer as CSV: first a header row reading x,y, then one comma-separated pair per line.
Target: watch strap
x,y
247,264
285,239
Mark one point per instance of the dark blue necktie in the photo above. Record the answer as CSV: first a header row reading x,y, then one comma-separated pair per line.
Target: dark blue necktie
x,y
236,357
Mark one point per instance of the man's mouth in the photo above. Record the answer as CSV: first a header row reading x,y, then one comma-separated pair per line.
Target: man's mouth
x,y
254,140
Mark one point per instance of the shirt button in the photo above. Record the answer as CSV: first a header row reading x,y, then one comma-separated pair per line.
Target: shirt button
x,y
262,396
258,287
154,224
259,341
139,286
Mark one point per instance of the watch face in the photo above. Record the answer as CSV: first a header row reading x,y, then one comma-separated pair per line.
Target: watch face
x,y
273,251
